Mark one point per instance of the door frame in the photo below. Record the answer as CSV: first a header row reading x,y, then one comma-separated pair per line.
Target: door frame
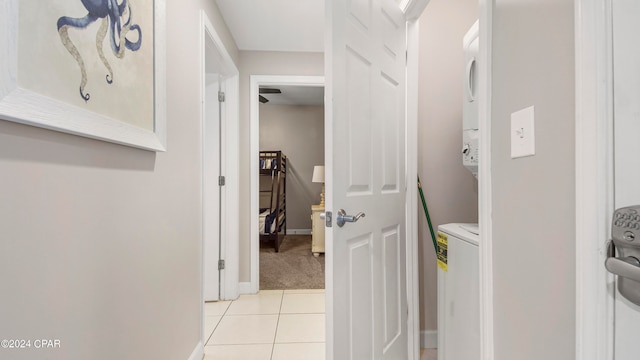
x,y
229,244
411,168
254,138
485,205
594,178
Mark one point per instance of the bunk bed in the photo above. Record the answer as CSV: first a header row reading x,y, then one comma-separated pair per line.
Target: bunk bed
x,y
273,188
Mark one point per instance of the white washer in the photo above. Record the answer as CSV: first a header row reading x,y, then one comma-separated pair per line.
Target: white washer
x,y
459,294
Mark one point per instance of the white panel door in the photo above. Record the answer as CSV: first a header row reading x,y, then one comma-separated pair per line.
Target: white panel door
x,y
626,52
365,137
210,189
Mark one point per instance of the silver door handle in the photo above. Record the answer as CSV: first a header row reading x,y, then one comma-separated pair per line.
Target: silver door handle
x,y
343,217
628,267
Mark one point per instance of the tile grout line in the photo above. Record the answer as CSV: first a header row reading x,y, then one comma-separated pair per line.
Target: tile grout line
x,y
219,321
275,335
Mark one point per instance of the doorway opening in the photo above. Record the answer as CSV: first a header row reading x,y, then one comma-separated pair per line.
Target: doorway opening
x,y
287,143
291,143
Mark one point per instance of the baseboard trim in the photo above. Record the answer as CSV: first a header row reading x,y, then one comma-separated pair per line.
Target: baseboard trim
x,y
428,339
244,288
198,352
298,231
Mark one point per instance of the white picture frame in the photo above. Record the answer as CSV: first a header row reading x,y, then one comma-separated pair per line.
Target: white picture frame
x,y
28,107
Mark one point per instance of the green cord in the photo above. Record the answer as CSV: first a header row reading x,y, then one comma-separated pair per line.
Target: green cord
x,y
426,212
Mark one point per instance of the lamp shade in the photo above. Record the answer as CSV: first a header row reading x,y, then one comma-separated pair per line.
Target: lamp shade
x,y
318,174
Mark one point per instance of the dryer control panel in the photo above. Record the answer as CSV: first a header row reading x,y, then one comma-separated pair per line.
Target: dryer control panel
x,y
470,151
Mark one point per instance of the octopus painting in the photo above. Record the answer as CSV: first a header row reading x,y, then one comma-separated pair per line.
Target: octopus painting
x,y
115,18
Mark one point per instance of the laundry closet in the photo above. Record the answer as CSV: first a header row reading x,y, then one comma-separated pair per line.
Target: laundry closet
x,y
447,167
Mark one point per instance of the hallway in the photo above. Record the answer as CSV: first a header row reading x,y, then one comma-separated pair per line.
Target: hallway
x,y
272,325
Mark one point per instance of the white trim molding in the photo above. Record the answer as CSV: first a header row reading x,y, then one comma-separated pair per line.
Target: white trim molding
x,y
198,352
413,9
244,288
484,183
411,156
594,178
230,243
429,339
299,231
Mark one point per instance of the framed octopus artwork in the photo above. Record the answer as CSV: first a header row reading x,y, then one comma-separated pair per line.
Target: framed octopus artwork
x,y
93,68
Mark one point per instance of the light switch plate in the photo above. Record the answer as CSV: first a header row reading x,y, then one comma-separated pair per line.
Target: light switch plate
x,y
523,139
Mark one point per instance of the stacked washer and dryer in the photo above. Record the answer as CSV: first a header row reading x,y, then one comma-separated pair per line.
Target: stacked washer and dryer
x,y
458,276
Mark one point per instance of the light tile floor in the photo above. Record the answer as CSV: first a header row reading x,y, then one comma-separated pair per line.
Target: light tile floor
x,y
271,325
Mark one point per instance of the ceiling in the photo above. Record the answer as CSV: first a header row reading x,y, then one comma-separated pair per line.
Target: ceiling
x,y
275,25
279,25
295,95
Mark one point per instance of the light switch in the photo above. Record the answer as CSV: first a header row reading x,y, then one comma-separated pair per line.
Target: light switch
x,y
523,140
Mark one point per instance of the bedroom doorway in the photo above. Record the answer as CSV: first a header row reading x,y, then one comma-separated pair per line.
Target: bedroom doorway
x,y
287,141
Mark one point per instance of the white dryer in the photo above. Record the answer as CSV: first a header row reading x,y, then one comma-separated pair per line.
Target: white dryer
x,y
471,88
459,293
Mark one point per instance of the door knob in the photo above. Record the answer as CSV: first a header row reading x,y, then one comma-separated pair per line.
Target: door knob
x,y
628,267
343,218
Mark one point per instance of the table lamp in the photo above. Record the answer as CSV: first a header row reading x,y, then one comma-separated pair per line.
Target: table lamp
x,y
318,177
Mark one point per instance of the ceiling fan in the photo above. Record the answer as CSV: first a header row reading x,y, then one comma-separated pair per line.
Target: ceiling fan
x,y
263,99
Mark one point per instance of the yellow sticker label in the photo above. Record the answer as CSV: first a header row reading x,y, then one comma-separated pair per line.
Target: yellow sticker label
x,y
443,244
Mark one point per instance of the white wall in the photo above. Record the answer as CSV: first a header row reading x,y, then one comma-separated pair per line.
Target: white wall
x,y
450,189
262,63
299,132
101,242
533,197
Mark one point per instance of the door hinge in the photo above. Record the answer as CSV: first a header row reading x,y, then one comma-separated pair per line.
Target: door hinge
x,y
221,96
221,180
220,264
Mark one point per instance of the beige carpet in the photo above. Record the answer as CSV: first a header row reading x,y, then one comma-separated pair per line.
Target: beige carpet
x,y
428,354
294,267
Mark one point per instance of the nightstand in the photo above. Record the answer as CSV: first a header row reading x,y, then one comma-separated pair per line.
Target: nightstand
x,y
317,230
